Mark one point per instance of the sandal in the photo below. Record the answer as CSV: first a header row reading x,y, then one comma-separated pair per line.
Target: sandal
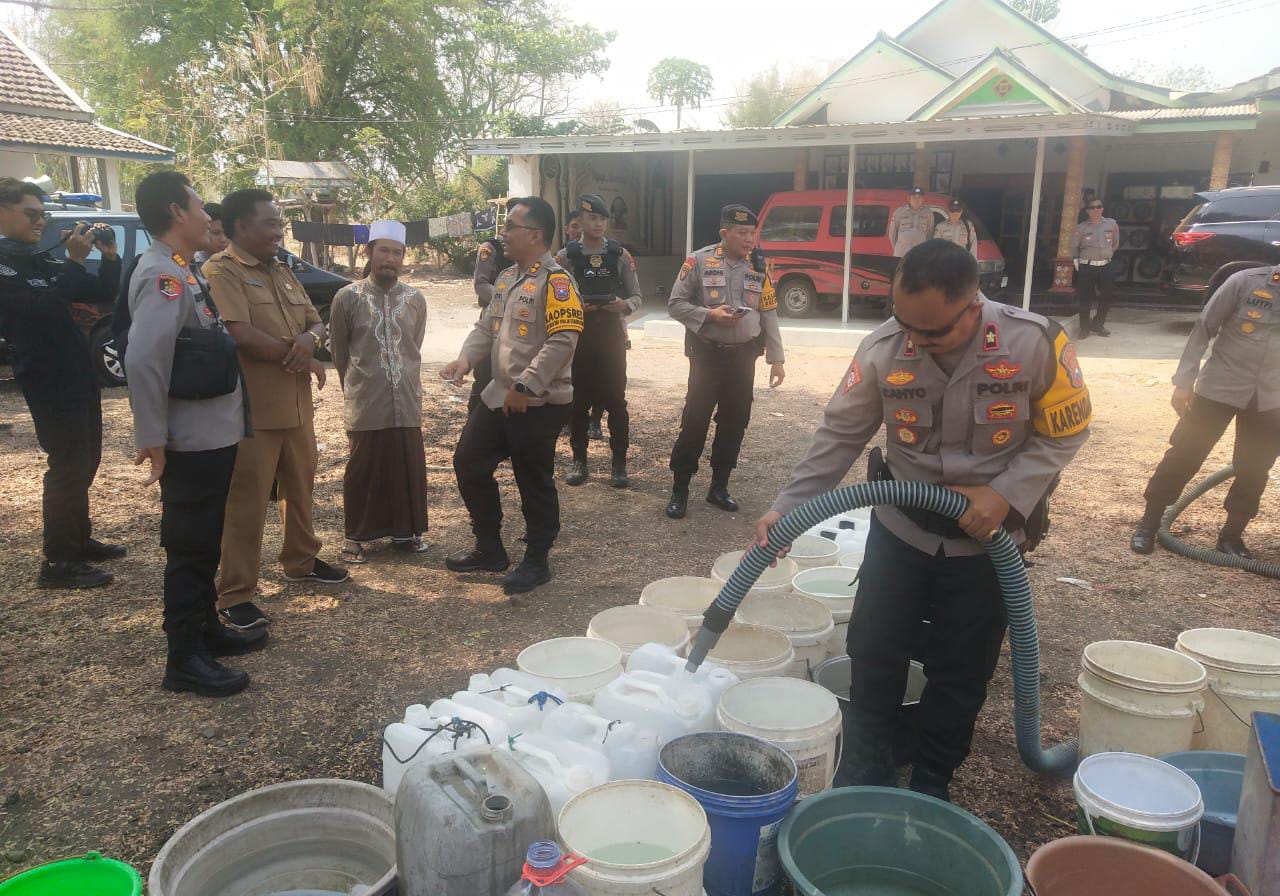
x,y
353,553
414,545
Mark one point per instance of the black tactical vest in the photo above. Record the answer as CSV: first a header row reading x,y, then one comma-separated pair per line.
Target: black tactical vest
x,y
598,273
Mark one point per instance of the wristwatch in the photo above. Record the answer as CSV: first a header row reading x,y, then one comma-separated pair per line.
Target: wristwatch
x,y
522,388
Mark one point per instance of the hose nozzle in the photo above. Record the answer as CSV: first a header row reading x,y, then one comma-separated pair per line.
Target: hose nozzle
x,y
703,643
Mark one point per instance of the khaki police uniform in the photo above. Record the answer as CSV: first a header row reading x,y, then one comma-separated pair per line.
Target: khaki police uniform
x,y
200,439
601,273
1010,410
722,359
962,233
490,262
1093,247
1241,380
528,331
909,227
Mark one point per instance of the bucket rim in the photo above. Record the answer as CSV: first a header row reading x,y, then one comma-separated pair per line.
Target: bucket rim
x,y
1091,664
91,857
703,841
807,888
762,683
1185,646
830,548
842,659
785,795
788,653
577,639
692,583
1115,844
819,626
1151,821
619,616
787,570
817,572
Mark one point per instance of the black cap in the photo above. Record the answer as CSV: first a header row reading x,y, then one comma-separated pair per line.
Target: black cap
x,y
955,206
590,202
917,191
735,215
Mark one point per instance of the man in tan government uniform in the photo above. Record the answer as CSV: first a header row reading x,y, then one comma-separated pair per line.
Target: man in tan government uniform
x,y
276,329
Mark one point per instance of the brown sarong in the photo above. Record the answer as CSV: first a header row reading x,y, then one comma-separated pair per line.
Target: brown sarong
x,y
384,491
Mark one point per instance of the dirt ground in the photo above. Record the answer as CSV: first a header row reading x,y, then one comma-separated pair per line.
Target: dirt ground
x,y
97,756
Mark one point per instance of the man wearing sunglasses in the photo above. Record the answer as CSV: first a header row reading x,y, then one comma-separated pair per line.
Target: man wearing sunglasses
x,y
51,363
986,399
1092,249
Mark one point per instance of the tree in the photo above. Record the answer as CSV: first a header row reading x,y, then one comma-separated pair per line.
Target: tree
x,y
1038,10
767,94
1179,77
681,82
604,116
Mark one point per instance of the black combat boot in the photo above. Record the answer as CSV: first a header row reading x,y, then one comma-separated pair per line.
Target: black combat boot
x,y
1144,537
931,782
534,571
577,471
1231,538
867,760
202,674
619,477
72,574
678,506
718,495
487,556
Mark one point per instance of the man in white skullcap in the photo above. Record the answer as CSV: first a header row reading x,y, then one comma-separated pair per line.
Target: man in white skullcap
x,y
376,328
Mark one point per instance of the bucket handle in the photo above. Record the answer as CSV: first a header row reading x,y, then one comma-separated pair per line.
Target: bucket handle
x,y
1200,720
1246,722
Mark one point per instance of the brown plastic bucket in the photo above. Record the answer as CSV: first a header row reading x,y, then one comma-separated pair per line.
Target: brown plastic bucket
x,y
1089,866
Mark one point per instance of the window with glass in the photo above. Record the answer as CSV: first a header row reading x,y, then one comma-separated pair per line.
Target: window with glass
x,y
868,220
792,224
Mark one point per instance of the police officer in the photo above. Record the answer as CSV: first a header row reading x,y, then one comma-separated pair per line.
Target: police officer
x,y
51,363
1242,380
957,229
911,224
529,331
605,274
981,397
190,442
490,262
1092,248
725,299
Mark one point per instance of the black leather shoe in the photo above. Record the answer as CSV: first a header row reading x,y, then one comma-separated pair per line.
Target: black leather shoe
x,y
224,641
1144,539
1100,330
72,574
1234,546
476,560
97,551
718,495
678,506
577,473
202,675
1082,335
931,783
527,576
619,477
594,432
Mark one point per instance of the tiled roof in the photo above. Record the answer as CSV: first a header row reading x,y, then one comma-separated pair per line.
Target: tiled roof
x,y
60,134
1189,113
25,83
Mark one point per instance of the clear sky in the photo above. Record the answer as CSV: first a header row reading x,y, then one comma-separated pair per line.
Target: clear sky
x,y
1234,39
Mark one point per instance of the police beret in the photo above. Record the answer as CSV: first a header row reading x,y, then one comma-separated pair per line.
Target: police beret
x,y
917,191
590,202
737,214
955,206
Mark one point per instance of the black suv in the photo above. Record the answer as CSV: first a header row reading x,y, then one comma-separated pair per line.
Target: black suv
x,y
132,239
1228,231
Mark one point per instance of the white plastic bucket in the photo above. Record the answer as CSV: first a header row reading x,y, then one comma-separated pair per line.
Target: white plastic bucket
x,y
834,587
1138,698
639,837
689,596
1141,799
1244,677
579,666
807,622
632,625
754,651
852,556
801,717
774,579
813,551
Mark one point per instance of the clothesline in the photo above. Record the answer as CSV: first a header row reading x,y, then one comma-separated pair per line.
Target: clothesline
x,y
417,233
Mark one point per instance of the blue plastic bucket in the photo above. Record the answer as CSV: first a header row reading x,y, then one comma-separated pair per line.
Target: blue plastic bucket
x,y
746,786
1220,777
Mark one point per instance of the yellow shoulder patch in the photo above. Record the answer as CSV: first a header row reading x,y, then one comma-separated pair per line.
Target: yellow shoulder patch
x,y
768,298
564,308
1064,410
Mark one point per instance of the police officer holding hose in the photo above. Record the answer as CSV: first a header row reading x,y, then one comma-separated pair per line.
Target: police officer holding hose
x,y
986,399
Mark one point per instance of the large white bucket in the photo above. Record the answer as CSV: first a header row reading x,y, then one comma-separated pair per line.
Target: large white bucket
x,y
813,551
578,666
1138,698
801,717
774,579
632,625
754,651
807,622
1141,799
639,837
835,587
689,596
1244,677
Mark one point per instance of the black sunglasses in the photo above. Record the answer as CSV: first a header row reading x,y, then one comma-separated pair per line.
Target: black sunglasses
x,y
1092,207
940,332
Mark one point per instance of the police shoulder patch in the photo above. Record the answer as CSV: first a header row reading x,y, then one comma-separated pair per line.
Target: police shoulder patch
x,y
689,264
854,375
170,286
1064,409
564,308
768,297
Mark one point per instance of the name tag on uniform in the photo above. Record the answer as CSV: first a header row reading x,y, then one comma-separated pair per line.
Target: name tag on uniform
x,y
753,281
524,312
713,278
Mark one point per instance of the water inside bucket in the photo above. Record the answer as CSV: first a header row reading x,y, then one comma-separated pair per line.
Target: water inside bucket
x,y
631,853
880,881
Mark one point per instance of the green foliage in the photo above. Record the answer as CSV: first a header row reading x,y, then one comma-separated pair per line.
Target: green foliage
x,y
1038,10
767,95
1189,77
681,82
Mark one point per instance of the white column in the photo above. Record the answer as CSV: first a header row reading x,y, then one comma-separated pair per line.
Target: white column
x,y
848,237
109,178
1035,223
688,220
